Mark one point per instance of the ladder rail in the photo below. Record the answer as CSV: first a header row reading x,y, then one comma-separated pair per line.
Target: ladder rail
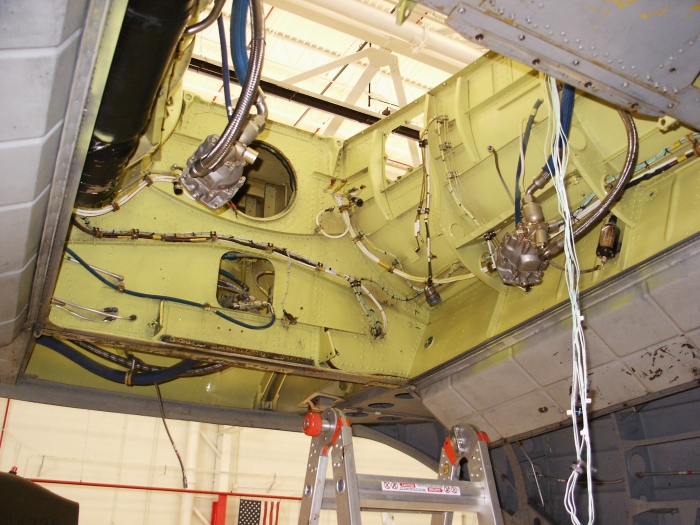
x,y
351,493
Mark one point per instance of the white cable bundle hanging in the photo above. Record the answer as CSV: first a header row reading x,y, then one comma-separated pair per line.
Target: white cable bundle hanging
x,y
579,390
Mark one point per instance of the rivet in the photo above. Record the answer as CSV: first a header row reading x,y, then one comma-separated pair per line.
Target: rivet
x,y
546,26
670,106
528,20
576,62
511,16
634,106
462,10
625,84
578,40
536,62
521,37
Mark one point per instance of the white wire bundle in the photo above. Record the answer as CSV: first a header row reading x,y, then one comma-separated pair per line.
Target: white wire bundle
x,y
579,391
123,199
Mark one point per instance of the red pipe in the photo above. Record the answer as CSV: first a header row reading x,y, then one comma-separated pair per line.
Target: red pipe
x,y
4,422
161,489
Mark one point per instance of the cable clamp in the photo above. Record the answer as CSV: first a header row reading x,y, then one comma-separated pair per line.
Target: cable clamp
x,y
213,236
148,180
578,466
270,247
115,205
134,234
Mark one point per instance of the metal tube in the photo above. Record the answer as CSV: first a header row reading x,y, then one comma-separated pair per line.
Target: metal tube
x,y
202,167
209,20
586,224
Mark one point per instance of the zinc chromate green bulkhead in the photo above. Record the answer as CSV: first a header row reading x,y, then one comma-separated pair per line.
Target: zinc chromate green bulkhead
x,y
485,105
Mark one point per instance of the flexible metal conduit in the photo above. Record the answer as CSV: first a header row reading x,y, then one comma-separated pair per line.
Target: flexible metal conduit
x,y
586,224
249,92
209,20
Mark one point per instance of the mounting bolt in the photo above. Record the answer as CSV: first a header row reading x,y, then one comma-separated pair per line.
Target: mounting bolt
x,y
588,84
634,106
479,37
536,62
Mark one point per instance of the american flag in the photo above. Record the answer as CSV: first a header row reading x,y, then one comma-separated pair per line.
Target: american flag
x,y
256,512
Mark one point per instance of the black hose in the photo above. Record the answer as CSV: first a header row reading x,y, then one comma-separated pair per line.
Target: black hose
x,y
140,366
587,223
518,174
147,42
235,279
117,376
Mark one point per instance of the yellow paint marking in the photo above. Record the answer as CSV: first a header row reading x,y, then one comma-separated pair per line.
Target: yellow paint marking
x,y
644,15
621,4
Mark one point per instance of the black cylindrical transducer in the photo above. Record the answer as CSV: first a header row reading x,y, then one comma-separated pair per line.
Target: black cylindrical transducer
x,y
432,295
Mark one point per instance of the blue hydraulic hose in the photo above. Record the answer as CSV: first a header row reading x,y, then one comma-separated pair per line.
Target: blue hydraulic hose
x,y
166,297
518,174
117,376
224,66
239,46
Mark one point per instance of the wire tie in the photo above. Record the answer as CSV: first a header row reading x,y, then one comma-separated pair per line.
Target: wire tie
x,y
214,236
127,377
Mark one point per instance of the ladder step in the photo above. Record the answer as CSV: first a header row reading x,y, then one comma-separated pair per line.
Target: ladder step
x,y
382,493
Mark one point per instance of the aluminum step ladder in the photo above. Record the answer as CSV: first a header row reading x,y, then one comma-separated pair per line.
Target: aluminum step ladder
x,y
351,492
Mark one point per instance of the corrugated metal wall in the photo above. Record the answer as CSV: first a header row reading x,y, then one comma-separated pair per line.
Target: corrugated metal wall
x,y
38,48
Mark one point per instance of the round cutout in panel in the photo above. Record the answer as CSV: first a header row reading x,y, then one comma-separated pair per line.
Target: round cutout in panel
x,y
270,186
404,395
380,406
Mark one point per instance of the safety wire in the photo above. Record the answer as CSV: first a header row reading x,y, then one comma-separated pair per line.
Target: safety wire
x,y
579,391
453,176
